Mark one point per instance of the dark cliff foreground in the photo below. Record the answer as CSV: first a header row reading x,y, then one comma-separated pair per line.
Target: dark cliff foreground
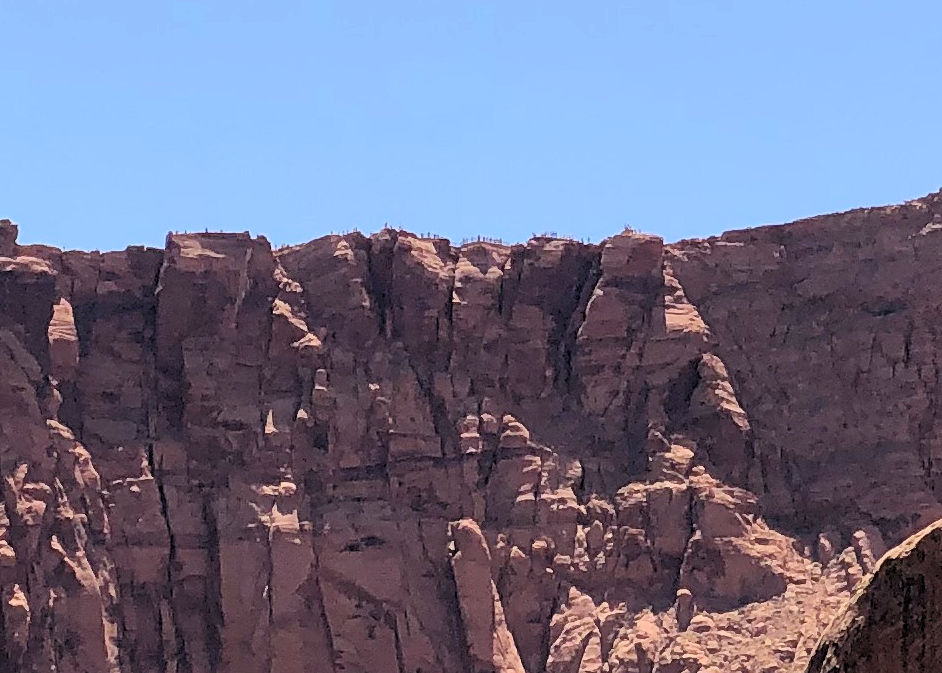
x,y
892,624
393,455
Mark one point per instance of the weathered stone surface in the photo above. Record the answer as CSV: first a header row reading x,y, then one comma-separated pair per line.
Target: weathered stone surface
x,y
8,233
832,308
491,646
893,620
63,342
389,453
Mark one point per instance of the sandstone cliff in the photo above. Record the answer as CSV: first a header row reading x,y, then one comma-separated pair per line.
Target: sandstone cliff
x,y
892,623
391,454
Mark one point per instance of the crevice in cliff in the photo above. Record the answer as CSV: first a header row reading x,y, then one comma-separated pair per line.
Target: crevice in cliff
x,y
636,420
908,343
243,287
269,584
54,645
929,419
383,612
379,260
448,310
441,419
546,637
72,411
538,488
637,424
446,591
179,655
794,520
309,508
213,608
680,392
510,282
585,285
393,624
487,459
579,486
164,371
453,601
444,428
691,530
318,604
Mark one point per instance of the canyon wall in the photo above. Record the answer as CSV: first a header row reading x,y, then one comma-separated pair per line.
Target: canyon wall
x,y
391,454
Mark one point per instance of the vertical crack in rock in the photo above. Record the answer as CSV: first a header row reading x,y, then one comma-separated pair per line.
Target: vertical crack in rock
x,y
213,607
243,288
320,612
178,655
587,283
379,260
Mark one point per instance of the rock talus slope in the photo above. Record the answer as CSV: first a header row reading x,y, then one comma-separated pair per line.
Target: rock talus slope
x,y
388,453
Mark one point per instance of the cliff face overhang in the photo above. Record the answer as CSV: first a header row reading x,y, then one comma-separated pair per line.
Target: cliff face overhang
x,y
390,453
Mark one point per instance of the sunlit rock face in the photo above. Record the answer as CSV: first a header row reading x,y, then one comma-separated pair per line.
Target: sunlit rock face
x,y
389,453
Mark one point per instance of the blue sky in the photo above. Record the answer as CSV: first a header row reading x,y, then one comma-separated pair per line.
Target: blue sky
x,y
121,120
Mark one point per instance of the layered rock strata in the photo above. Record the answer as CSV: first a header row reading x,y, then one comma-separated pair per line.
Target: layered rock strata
x,y
389,453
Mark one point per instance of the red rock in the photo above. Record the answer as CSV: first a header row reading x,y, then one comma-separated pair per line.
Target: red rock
x,y
892,622
63,342
490,644
683,608
389,453
8,233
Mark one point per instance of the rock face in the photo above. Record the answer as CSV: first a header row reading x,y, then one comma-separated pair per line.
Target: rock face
x,y
894,618
391,454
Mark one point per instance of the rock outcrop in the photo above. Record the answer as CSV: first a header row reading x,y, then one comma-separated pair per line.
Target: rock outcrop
x,y
894,620
391,454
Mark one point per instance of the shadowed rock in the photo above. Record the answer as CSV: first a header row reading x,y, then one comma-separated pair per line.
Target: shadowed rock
x,y
894,619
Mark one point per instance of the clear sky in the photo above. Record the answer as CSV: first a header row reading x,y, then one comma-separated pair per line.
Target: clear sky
x,y
121,120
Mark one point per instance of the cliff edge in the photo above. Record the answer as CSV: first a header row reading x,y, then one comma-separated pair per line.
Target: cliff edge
x,y
392,454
